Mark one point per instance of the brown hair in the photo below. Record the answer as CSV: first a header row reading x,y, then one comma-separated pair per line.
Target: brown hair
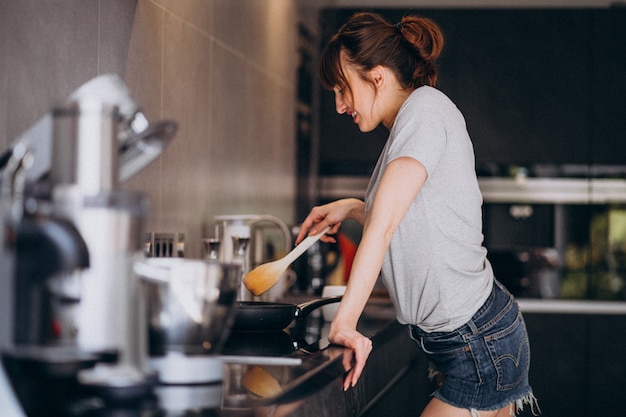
x,y
410,49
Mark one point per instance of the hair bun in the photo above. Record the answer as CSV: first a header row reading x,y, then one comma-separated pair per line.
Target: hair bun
x,y
425,36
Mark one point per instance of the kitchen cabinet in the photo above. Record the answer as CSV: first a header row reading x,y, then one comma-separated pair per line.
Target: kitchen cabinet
x,y
580,222
578,368
537,86
608,87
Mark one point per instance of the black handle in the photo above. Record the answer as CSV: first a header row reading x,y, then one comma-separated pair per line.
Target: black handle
x,y
304,309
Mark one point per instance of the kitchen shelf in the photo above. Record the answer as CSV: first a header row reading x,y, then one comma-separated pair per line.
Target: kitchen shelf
x,y
553,190
572,306
507,190
333,187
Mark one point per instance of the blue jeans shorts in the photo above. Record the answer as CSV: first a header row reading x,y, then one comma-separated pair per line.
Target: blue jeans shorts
x,y
484,364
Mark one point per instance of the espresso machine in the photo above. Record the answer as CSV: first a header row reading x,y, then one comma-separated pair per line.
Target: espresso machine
x,y
70,299
245,239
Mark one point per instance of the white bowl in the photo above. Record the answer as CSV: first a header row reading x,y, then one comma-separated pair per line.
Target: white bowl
x,y
329,310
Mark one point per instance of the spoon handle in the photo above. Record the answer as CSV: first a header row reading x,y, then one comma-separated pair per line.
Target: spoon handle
x,y
304,245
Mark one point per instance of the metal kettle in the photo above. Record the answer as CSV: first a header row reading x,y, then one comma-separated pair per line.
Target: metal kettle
x,y
245,239
249,226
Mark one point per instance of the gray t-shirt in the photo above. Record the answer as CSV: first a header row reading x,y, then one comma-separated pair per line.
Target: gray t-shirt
x,y
436,270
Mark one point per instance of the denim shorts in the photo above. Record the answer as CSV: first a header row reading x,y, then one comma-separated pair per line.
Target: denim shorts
x,y
483,364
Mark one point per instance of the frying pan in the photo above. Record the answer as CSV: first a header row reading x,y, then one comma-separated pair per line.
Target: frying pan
x,y
266,343
266,316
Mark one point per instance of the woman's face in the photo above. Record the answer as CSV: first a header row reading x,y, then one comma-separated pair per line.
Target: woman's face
x,y
358,100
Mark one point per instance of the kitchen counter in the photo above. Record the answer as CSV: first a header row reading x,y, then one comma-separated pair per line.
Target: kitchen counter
x,y
303,378
577,366
309,382
315,388
574,345
298,373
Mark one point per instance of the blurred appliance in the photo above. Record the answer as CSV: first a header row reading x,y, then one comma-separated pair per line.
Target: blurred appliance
x,y
164,245
528,272
521,240
60,201
246,239
38,250
190,311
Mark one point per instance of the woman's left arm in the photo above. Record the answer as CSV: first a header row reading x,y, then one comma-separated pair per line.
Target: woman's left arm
x,y
401,182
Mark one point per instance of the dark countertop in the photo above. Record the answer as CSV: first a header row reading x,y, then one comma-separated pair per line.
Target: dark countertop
x,y
306,380
321,361
396,366
314,388
394,381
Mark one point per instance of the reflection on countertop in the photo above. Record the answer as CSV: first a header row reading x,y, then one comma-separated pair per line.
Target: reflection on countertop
x,y
292,372
254,385
277,373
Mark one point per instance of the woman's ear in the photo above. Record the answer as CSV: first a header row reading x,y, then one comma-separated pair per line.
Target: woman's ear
x,y
377,75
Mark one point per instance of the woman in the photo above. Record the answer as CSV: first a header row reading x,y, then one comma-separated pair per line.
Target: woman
x,y
422,223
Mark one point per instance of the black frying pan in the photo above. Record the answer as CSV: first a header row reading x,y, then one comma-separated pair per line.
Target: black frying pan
x,y
265,316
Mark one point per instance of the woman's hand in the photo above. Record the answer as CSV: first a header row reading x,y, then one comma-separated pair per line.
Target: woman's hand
x,y
354,359
331,214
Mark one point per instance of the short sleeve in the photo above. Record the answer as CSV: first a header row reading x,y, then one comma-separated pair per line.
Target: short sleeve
x,y
419,132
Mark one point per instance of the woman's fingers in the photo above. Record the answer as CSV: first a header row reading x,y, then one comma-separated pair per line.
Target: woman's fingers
x,y
348,356
354,358
361,353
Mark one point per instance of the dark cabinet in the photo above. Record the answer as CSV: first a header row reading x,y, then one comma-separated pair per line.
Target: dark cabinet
x,y
608,87
537,86
578,368
521,79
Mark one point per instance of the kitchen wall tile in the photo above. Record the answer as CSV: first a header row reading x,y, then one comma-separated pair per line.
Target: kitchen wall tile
x,y
143,75
270,141
51,49
4,79
197,13
143,71
229,129
116,27
186,96
257,30
279,51
224,70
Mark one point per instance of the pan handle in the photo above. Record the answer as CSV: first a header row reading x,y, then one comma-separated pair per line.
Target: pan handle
x,y
304,309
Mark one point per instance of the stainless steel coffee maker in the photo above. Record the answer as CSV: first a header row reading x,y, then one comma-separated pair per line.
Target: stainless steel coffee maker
x,y
72,163
243,239
39,253
99,140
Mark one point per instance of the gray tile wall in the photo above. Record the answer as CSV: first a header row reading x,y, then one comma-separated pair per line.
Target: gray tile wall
x,y
224,69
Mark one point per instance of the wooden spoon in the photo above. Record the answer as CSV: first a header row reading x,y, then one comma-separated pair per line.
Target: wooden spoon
x,y
265,276
260,382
